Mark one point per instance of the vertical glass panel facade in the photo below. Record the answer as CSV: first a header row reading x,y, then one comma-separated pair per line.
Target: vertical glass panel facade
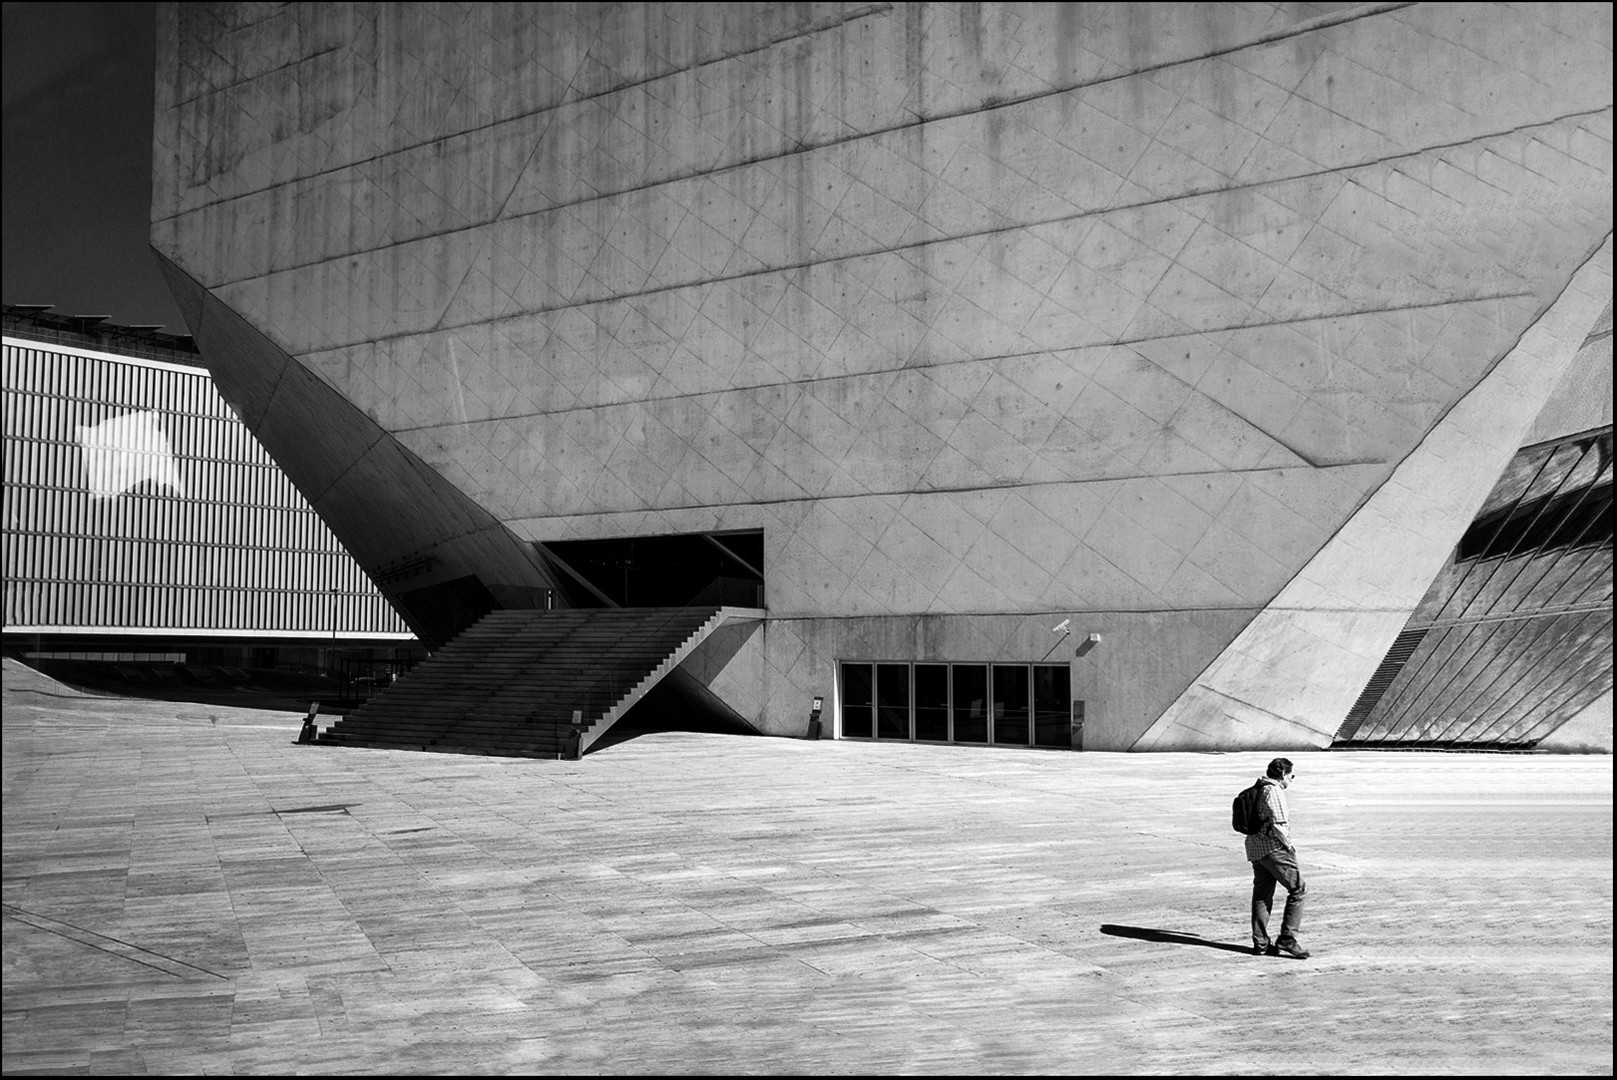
x,y
1052,694
932,702
858,701
1001,704
1010,704
892,701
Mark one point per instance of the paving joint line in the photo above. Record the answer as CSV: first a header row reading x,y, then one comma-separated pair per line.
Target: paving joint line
x,y
26,917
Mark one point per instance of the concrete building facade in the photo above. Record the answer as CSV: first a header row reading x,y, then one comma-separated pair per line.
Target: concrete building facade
x,y
1162,353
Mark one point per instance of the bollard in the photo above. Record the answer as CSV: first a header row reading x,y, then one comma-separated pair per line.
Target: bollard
x,y
572,748
307,735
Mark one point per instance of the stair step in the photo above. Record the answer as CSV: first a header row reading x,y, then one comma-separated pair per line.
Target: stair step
x,y
511,683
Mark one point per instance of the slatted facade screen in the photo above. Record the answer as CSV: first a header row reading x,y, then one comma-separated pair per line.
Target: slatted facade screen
x,y
136,502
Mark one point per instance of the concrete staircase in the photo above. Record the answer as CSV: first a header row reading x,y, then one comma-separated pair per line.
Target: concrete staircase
x,y
510,684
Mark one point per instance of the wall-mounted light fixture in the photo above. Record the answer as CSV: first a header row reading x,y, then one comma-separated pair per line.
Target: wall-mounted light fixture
x,y
1087,644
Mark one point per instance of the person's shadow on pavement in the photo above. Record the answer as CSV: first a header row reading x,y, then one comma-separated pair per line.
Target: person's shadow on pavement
x,y
1170,937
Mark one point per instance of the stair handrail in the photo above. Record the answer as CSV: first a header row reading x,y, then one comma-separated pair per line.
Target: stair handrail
x,y
612,686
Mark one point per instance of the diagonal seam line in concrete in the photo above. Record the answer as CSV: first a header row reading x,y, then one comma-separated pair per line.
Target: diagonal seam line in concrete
x,y
117,947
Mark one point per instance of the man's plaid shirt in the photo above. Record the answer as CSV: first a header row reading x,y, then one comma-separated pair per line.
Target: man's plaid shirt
x,y
1273,836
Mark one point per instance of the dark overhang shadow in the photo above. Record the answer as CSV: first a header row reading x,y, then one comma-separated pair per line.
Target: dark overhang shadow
x,y
1170,937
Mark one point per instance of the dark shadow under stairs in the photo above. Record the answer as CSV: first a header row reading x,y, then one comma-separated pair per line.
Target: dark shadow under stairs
x,y
510,684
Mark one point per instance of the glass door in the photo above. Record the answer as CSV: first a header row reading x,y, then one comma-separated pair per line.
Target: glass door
x,y
858,701
970,711
893,701
1052,695
932,702
1010,704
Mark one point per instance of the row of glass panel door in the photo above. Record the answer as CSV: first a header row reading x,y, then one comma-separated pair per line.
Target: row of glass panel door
x,y
1005,704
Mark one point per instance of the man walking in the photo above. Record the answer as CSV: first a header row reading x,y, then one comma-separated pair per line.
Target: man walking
x,y
1274,858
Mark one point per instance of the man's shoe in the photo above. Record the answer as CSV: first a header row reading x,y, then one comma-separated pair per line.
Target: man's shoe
x,y
1290,947
1262,948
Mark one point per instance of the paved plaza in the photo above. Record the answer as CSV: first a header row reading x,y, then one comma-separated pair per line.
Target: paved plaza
x,y
187,891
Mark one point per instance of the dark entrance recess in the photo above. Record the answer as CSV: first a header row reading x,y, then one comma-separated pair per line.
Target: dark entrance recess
x,y
670,571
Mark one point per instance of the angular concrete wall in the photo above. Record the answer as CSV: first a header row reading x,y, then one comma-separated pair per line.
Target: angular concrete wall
x,y
1583,400
986,314
441,560
1513,639
1290,677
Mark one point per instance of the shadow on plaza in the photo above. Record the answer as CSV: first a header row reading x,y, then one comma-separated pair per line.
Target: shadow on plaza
x,y
1170,937
246,688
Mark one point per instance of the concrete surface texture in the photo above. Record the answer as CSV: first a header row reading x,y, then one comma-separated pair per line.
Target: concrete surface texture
x,y
1207,325
187,891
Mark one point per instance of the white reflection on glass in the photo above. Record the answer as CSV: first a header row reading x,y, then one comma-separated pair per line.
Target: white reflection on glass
x,y
125,451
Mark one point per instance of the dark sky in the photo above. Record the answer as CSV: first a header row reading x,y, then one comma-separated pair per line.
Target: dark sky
x,y
78,161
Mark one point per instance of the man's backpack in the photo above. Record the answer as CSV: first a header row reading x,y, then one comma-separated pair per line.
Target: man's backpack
x,y
1246,816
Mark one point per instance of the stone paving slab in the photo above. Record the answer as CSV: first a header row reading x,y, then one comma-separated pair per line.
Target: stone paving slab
x,y
188,891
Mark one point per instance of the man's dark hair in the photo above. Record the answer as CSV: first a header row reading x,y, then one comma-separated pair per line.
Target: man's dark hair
x,y
1279,767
